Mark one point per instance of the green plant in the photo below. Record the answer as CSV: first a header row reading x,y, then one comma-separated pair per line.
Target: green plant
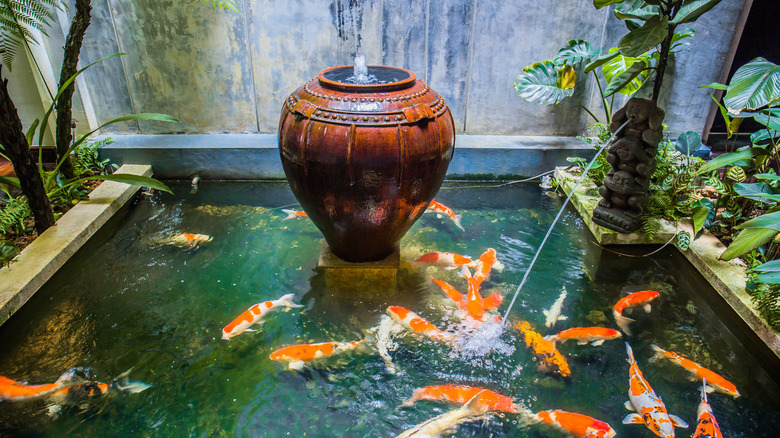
x,y
17,17
13,212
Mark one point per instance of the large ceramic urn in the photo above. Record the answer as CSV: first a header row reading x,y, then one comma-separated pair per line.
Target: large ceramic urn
x,y
365,159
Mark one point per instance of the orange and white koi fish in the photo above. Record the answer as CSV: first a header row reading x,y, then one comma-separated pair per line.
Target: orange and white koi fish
x,y
641,298
576,425
446,260
296,356
648,407
189,240
418,324
595,335
486,262
292,214
85,390
460,394
714,380
255,314
442,210
437,426
554,314
12,390
550,359
707,426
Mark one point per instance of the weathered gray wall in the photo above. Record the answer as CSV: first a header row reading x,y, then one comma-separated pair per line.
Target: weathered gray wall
x,y
221,72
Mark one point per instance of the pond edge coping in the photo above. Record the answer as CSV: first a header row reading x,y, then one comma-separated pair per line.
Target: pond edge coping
x,y
41,259
728,278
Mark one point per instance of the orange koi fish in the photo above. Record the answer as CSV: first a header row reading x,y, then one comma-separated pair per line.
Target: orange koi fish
x,y
550,359
641,298
648,407
292,214
12,390
486,262
715,381
296,356
707,426
255,314
417,324
446,260
460,394
595,335
490,302
189,240
442,210
577,425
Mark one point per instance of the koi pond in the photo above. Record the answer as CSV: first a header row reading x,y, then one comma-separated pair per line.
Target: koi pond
x,y
136,299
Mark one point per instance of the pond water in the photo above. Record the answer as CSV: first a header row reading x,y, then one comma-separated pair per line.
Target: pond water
x,y
129,301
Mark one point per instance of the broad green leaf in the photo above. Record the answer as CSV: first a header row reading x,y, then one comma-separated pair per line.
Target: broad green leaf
x,y
688,142
763,136
683,240
635,9
699,217
618,66
677,37
730,158
732,125
624,83
757,191
753,86
770,277
639,41
691,11
601,60
576,52
770,266
767,176
601,3
137,180
716,86
748,240
544,82
767,220
736,174
770,119
719,186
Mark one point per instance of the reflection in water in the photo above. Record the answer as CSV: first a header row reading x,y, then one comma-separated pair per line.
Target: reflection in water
x,y
128,302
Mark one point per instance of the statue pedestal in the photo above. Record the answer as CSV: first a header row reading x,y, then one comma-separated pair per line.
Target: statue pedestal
x,y
381,273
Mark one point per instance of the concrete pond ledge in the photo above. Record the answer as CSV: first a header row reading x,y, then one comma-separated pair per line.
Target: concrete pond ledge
x,y
44,256
256,156
728,278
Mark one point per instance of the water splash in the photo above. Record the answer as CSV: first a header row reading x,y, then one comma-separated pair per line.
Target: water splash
x,y
480,340
360,74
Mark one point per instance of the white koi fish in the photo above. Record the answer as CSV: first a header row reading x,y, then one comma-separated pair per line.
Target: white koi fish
x,y
292,214
648,407
189,240
383,342
255,314
553,315
474,409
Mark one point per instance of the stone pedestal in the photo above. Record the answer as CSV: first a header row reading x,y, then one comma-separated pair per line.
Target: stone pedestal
x,y
359,277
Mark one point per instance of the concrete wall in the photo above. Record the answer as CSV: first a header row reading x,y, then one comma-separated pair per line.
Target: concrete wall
x,y
220,72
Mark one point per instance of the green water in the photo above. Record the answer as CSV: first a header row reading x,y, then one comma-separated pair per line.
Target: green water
x,y
128,300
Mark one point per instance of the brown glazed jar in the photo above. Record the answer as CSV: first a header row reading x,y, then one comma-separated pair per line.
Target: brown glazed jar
x,y
365,160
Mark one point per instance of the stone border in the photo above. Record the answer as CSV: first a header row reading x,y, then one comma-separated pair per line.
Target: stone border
x,y
44,256
728,278
256,156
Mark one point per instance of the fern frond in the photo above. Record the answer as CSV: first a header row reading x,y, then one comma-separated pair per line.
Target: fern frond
x,y
228,5
13,214
17,17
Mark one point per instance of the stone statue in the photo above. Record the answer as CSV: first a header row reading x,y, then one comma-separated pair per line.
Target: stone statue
x,y
631,156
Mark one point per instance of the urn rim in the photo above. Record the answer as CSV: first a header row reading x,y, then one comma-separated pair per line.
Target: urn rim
x,y
327,79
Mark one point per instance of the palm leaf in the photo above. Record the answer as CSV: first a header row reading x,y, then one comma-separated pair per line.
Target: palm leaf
x,y
544,82
730,158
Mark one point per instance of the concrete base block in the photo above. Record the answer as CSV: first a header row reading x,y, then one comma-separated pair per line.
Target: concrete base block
x,y
367,276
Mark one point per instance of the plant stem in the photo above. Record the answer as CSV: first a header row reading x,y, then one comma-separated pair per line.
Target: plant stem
x,y
69,66
663,52
589,112
607,108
